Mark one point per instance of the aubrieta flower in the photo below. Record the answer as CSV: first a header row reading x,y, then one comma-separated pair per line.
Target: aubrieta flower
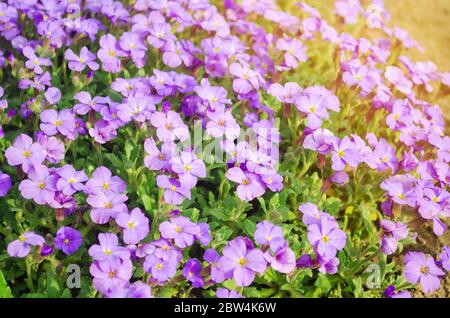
x,y
156,159
180,229
53,122
390,292
326,238
320,140
225,293
397,78
267,233
40,185
108,249
191,271
21,247
188,168
241,262
70,180
401,188
213,96
249,185
5,184
174,192
169,126
132,43
344,152
281,258
212,257
34,62
161,269
78,63
421,268
134,225
392,233
109,53
68,240
108,275
135,290
361,76
138,109
25,152
222,123
444,258
53,95
245,80
314,106
102,180
294,50
106,205
86,103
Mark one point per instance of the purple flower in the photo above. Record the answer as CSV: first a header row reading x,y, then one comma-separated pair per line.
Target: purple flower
x,y
156,159
401,189
246,79
215,96
397,78
131,43
421,268
108,275
135,226
392,233
294,50
169,126
68,240
344,153
188,168
225,293
46,250
160,268
175,54
79,63
191,271
21,246
361,76
24,152
135,290
40,185
203,235
328,266
212,257
249,185
159,34
106,205
53,95
103,181
5,184
53,147
109,53
70,180
34,62
108,249
180,229
241,262
174,192
326,238
321,141
314,106
268,234
282,258
86,103
390,293
221,122
53,122
444,258
138,109
311,214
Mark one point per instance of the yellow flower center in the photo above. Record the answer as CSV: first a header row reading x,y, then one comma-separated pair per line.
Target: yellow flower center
x,y
21,238
131,225
82,60
159,266
26,154
105,186
112,53
178,229
172,188
221,122
242,261
358,77
435,199
108,205
112,274
424,269
58,123
108,252
213,99
41,185
341,153
384,159
66,241
161,157
401,196
245,181
72,180
312,109
187,168
132,46
396,116
325,238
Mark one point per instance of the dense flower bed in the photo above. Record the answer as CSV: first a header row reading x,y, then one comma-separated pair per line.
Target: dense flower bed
x,y
174,148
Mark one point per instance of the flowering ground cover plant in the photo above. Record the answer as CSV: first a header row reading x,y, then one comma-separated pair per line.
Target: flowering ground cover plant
x,y
174,148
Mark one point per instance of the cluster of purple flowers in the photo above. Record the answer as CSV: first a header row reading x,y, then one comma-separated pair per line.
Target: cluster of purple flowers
x,y
325,237
233,49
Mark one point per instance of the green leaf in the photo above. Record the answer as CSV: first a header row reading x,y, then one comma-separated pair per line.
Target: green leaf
x,y
53,289
5,291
